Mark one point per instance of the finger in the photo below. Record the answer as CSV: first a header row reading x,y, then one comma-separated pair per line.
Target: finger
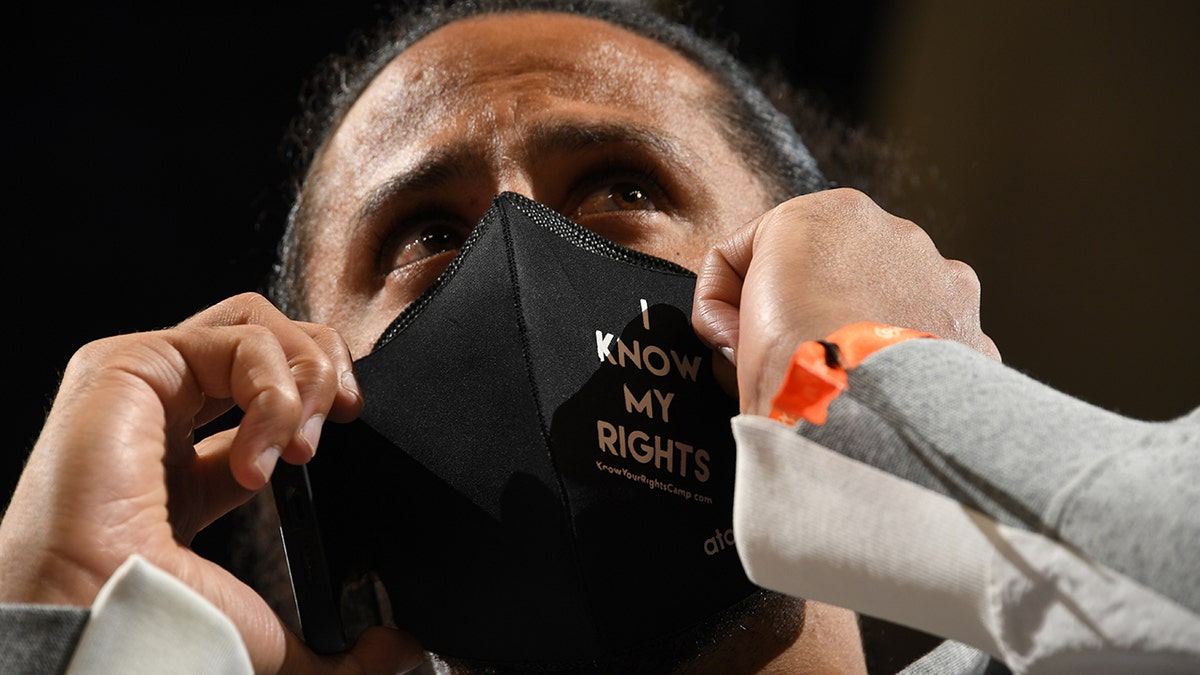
x,y
246,364
318,357
378,651
988,347
382,651
211,491
348,399
211,409
239,309
267,639
717,302
967,291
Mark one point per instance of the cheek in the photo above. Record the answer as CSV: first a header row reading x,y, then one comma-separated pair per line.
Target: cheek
x,y
361,332
337,301
684,248
727,216
352,318
362,312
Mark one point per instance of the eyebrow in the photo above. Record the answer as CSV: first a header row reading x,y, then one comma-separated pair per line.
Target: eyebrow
x,y
453,163
435,169
550,137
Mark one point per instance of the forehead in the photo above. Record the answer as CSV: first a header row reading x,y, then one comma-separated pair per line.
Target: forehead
x,y
488,48
506,69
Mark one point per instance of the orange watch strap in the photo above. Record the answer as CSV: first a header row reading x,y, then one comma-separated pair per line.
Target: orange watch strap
x,y
817,372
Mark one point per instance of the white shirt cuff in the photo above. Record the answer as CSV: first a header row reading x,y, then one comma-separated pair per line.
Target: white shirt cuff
x,y
147,621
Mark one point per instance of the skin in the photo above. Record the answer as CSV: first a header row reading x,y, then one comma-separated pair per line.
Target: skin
x,y
462,115
115,471
455,119
817,263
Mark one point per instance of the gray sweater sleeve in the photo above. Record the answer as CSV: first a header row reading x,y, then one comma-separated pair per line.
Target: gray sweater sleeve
x,y
39,639
1123,491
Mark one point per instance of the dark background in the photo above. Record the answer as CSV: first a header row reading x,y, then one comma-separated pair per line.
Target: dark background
x,y
1058,143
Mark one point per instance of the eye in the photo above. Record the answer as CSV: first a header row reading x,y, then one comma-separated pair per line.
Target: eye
x,y
617,197
424,241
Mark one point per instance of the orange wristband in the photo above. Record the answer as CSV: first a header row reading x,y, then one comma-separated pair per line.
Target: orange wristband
x,y
817,372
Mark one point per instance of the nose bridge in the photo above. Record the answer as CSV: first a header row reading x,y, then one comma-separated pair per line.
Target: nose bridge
x,y
516,178
507,125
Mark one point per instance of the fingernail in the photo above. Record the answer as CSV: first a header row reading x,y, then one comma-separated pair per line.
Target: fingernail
x,y
312,431
350,384
266,462
727,352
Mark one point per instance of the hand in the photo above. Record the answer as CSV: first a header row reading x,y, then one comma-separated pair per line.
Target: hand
x,y
819,262
116,471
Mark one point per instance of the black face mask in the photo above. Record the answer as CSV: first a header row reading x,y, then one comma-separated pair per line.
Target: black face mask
x,y
543,473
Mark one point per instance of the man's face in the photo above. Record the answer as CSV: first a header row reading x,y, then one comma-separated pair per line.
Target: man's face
x,y
610,129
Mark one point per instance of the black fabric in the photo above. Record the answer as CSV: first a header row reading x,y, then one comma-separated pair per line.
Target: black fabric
x,y
543,474
39,639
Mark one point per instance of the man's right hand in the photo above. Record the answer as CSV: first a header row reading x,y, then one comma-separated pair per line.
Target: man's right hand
x,y
116,471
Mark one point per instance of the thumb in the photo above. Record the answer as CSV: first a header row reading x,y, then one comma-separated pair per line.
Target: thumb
x,y
378,651
382,651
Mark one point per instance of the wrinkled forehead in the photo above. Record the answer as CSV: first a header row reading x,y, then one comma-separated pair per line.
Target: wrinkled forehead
x,y
486,48
521,61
